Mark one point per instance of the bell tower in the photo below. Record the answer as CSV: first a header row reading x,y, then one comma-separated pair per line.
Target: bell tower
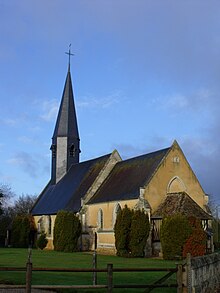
x,y
65,146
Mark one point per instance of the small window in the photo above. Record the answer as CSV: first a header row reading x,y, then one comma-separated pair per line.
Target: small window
x,y
72,151
100,219
48,226
176,160
116,210
53,148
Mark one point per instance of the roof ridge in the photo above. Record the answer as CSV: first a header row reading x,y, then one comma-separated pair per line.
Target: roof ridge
x,y
145,155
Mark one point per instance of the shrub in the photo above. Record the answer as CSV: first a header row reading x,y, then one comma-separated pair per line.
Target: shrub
x,y
5,221
67,229
22,227
174,232
139,233
42,241
196,243
131,232
122,231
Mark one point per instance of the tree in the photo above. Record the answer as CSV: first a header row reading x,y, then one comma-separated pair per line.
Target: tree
x,y
42,241
23,227
196,243
6,195
1,203
213,208
23,205
67,229
122,231
5,221
131,232
174,232
139,232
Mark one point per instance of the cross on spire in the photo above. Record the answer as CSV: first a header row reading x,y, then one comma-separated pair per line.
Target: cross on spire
x,y
69,53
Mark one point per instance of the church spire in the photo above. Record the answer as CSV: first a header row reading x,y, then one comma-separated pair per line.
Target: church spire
x,y
65,141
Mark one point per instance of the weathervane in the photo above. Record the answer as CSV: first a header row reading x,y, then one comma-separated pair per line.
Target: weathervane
x,y
69,53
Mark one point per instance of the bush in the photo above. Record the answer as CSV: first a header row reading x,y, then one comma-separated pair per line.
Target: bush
x,y
5,221
42,241
140,228
122,231
131,232
22,228
196,243
67,229
175,230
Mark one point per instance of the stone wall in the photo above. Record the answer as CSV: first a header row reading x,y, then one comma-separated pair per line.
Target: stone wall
x,y
203,273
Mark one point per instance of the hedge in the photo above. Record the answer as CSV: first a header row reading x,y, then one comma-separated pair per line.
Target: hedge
x,y
23,228
67,229
196,243
131,232
174,232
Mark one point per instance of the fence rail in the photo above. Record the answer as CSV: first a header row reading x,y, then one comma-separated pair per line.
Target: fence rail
x,y
109,284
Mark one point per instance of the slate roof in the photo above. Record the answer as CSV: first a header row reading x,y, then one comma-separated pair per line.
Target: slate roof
x,y
67,193
127,177
181,203
66,124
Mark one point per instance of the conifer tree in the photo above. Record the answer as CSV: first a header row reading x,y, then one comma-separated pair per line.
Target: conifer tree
x,y
67,229
174,232
140,228
122,231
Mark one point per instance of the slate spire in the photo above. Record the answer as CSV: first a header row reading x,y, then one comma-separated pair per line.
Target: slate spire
x,y
65,141
66,124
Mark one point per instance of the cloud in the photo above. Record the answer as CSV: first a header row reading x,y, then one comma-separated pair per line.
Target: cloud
x,y
200,99
129,150
25,139
26,162
2,146
10,121
203,155
102,103
49,109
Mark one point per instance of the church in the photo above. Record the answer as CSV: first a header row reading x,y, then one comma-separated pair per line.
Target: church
x,y
161,182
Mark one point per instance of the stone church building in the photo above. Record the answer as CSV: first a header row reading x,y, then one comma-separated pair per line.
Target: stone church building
x,y
161,182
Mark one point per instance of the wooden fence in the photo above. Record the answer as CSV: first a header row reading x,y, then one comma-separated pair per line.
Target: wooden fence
x,y
109,286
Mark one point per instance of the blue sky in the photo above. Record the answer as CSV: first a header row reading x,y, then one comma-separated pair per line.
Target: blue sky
x,y
144,73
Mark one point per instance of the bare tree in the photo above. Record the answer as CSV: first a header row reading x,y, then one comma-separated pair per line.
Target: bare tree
x,y
6,195
23,205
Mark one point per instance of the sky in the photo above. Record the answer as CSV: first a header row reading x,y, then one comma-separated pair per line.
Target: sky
x,y
144,73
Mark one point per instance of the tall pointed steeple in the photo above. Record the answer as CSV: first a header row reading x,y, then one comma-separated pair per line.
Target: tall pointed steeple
x,y
65,141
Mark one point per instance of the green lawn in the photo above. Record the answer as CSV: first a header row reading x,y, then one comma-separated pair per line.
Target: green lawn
x,y
17,257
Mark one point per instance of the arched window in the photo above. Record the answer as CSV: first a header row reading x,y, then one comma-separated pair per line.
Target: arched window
x,y
48,225
176,185
40,225
44,225
116,210
72,150
100,219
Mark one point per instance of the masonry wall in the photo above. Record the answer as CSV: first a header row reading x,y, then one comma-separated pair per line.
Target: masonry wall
x,y
174,166
203,274
105,235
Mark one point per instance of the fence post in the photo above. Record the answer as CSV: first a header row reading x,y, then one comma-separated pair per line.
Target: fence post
x,y
28,272
179,278
94,267
110,277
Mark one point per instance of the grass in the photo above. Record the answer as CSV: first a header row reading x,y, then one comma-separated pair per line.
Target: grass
x,y
13,257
